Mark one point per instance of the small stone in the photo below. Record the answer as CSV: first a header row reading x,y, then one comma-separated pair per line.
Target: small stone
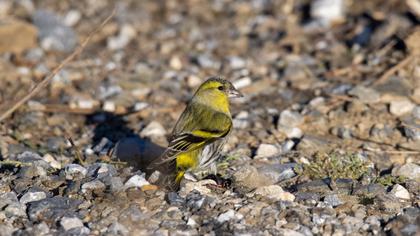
x,y
236,62
366,95
70,223
401,107
193,81
154,129
72,17
287,146
126,34
409,170
137,181
241,120
242,83
75,171
266,150
388,203
290,132
117,228
199,186
416,112
53,33
116,184
174,199
95,185
277,172
328,11
175,63
333,200
51,160
230,214
400,192
109,106
32,197
15,209
274,192
16,36
290,119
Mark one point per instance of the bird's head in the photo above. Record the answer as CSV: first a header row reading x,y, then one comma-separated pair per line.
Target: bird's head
x,y
215,92
218,86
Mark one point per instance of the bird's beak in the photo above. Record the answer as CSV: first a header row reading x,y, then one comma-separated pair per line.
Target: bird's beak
x,y
234,93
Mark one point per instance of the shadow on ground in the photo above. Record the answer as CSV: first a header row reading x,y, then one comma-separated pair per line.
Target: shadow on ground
x,y
129,146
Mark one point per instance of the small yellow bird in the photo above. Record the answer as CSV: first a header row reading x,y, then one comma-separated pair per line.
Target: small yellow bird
x,y
199,133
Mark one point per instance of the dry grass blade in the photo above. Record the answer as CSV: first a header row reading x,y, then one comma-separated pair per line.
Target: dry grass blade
x,y
77,152
41,85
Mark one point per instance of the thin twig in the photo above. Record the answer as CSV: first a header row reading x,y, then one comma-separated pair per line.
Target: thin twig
x,y
393,70
41,85
13,163
77,152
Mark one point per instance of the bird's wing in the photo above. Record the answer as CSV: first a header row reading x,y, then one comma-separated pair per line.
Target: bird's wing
x,y
197,126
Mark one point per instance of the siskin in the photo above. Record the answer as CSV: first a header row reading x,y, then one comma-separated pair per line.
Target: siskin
x,y
199,133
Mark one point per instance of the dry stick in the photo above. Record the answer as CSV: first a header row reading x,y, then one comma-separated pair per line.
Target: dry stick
x,y
393,69
48,79
77,152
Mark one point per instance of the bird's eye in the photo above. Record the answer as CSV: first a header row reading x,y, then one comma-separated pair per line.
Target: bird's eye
x,y
220,88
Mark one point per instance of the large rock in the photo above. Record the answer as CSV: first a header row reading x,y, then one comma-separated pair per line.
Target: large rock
x,y
409,170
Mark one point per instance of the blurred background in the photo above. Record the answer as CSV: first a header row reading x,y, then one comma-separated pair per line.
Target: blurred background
x,y
322,76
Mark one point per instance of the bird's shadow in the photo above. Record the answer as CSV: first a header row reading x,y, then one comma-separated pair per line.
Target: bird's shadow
x,y
129,146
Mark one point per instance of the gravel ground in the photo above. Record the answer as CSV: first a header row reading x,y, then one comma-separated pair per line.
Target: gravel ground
x,y
326,140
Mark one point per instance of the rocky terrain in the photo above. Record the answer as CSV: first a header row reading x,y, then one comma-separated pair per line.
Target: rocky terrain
x,y
326,140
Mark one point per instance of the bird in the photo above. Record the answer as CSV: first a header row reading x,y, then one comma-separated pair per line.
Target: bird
x,y
199,134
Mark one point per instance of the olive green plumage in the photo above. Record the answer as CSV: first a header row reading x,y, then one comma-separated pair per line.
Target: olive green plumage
x,y
199,133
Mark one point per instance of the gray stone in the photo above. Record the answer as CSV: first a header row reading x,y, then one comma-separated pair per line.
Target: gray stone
x,y
401,107
32,197
226,216
409,170
52,208
277,172
290,119
70,223
117,228
274,192
95,186
15,209
266,150
416,112
53,34
75,172
366,95
333,200
137,181
174,199
400,192
115,184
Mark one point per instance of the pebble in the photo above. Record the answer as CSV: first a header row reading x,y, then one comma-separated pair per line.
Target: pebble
x,y
266,150
333,200
241,120
290,119
52,208
274,192
94,185
126,34
51,160
277,172
16,36
290,132
401,107
364,94
53,33
137,181
400,192
32,197
72,17
75,172
328,11
70,223
199,186
153,129
409,170
242,82
230,214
